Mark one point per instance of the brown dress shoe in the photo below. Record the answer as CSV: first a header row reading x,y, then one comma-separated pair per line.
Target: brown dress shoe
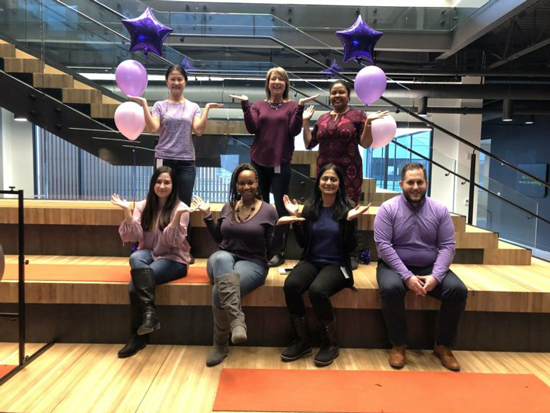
x,y
397,356
447,358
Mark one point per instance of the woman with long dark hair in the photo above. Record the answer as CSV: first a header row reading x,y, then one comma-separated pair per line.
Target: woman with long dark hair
x,y
274,122
246,230
159,225
328,236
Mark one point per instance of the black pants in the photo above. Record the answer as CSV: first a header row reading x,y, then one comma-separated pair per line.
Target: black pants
x,y
451,292
279,184
323,281
185,174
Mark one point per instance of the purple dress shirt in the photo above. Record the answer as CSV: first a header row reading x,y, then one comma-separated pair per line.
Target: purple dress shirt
x,y
418,237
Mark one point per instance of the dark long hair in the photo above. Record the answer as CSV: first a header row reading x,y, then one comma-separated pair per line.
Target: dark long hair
x,y
152,203
234,195
342,204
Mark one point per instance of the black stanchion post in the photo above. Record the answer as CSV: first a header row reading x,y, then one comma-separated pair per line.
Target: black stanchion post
x,y
472,189
22,324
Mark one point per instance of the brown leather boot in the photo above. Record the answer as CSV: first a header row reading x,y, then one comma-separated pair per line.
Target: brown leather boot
x,y
397,356
446,356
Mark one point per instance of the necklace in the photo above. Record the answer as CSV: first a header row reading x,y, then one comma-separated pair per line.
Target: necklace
x,y
275,106
238,210
173,123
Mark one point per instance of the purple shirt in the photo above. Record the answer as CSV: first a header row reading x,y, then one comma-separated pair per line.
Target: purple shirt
x,y
171,243
176,125
251,239
274,131
418,237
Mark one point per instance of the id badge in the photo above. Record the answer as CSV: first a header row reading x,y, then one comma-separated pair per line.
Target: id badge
x,y
278,169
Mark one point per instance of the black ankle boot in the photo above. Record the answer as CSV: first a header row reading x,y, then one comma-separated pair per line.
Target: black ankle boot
x,y
329,349
277,259
300,346
135,344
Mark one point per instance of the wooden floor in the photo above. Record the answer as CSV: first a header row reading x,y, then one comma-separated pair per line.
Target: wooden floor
x,y
90,378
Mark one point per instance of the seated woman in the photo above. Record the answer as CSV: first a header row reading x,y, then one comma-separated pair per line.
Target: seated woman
x,y
159,224
246,230
328,237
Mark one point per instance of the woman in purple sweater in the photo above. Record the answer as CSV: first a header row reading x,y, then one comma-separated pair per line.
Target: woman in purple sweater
x,y
159,224
274,122
246,229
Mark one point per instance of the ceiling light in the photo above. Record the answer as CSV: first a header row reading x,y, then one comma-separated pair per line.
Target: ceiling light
x,y
507,110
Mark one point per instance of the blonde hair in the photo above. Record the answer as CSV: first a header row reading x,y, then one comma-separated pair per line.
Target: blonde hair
x,y
279,71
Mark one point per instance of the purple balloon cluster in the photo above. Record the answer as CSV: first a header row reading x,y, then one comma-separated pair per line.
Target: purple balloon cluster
x,y
131,78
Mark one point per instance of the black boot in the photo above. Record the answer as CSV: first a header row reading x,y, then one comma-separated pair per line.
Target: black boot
x,y
135,344
277,259
144,285
329,349
300,346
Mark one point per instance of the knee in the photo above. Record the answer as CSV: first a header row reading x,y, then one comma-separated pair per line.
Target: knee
x,y
291,286
458,293
393,291
136,261
316,294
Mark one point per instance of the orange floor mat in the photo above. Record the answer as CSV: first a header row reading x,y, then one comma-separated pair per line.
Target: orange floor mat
x,y
338,391
5,369
95,273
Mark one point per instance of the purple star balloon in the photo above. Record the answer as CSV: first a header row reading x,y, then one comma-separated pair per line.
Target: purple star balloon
x,y
186,65
146,33
332,69
359,40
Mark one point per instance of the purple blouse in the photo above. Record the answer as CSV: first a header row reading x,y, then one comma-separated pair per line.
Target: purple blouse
x,y
274,131
171,243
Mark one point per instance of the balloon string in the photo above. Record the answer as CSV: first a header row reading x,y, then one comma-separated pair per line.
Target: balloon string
x,y
134,173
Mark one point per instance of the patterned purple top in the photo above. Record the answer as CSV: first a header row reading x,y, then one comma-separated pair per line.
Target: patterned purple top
x,y
274,131
338,142
176,125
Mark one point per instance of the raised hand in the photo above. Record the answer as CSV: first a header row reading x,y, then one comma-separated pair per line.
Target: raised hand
x,y
182,208
289,219
202,206
139,99
119,202
214,105
303,101
377,115
291,207
240,98
308,113
357,211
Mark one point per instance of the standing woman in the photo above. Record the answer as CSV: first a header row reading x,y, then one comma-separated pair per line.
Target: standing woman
x,y
246,230
159,224
274,122
338,133
176,118
328,237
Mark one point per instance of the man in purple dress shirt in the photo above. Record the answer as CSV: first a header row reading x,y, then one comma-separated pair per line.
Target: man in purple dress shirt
x,y
415,239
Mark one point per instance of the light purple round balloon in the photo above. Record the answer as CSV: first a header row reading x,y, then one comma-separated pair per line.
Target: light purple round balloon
x,y
131,78
370,83
130,120
383,131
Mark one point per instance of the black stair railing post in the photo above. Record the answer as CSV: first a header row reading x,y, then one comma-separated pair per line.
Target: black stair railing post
x,y
472,189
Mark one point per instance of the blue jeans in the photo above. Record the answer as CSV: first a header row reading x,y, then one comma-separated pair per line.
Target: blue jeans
x,y
165,270
185,174
222,262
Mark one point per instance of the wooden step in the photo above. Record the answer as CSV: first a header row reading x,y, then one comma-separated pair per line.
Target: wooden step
x,y
52,81
79,95
369,186
22,65
103,110
476,238
306,158
507,254
7,50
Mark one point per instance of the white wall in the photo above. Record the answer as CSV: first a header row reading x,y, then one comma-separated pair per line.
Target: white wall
x,y
16,160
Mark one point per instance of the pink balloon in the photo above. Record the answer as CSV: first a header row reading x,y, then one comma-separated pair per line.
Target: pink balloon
x,y
131,77
130,120
370,83
383,131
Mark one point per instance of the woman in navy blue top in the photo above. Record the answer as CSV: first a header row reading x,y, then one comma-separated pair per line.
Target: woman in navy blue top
x,y
328,236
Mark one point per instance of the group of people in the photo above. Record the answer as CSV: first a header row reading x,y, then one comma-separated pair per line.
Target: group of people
x,y
414,234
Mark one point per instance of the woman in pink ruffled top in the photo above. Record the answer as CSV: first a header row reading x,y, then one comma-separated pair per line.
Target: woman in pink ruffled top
x,y
159,224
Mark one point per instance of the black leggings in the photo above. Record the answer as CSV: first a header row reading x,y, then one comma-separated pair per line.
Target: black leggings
x,y
323,281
